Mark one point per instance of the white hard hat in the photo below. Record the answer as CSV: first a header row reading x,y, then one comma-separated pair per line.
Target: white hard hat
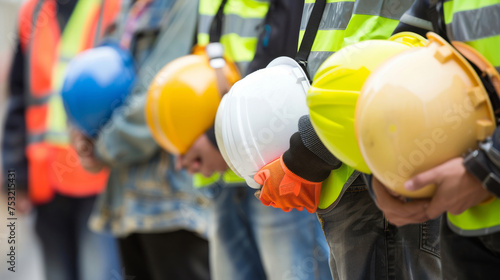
x,y
256,119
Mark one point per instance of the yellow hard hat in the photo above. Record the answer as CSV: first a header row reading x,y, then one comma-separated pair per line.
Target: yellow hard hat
x,y
335,89
420,109
183,99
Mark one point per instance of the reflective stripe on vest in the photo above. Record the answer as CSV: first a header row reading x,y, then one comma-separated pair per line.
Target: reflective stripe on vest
x,y
229,177
478,220
477,23
335,185
71,43
53,165
240,30
346,22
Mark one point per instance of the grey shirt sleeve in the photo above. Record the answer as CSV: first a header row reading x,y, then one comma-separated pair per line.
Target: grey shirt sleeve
x,y
313,143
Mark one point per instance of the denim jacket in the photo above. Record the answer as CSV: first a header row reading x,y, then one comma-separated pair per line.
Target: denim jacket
x,y
144,192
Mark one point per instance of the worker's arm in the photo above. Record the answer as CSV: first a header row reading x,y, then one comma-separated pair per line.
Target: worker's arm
x,y
126,139
294,180
14,132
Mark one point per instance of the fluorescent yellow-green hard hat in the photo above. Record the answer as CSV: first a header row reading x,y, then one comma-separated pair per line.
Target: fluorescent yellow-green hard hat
x,y
335,89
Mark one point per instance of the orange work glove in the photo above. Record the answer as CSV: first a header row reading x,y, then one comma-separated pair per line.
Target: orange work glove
x,y
281,188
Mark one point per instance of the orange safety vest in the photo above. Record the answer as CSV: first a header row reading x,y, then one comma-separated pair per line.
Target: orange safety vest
x,y
53,165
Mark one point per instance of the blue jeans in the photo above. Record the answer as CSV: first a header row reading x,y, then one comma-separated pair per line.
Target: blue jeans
x,y
364,246
70,249
250,241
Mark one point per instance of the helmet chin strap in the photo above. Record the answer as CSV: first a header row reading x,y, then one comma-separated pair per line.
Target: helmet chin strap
x,y
215,52
490,89
309,36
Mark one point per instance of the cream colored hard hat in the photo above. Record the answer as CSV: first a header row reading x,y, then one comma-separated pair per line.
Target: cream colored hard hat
x,y
420,109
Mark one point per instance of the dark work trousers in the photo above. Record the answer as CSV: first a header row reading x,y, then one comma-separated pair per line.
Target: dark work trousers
x,y
178,255
469,257
70,249
363,246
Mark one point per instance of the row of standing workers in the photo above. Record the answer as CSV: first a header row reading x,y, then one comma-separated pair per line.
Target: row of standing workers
x,y
346,144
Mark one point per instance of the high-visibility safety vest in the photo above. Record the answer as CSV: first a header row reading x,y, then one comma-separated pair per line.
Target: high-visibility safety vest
x,y
476,24
240,35
344,23
53,165
240,30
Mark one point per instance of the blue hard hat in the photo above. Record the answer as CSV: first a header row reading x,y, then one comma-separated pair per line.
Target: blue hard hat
x,y
97,82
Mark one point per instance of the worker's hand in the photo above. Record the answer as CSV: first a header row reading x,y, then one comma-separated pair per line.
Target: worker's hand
x,y
395,208
23,203
84,148
283,189
202,157
456,189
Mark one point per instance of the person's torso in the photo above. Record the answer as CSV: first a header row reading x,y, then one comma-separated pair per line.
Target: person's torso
x,y
151,195
347,22
344,23
476,23
51,33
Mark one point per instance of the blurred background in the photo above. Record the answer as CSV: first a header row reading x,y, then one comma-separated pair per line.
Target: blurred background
x,y
8,17
28,258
